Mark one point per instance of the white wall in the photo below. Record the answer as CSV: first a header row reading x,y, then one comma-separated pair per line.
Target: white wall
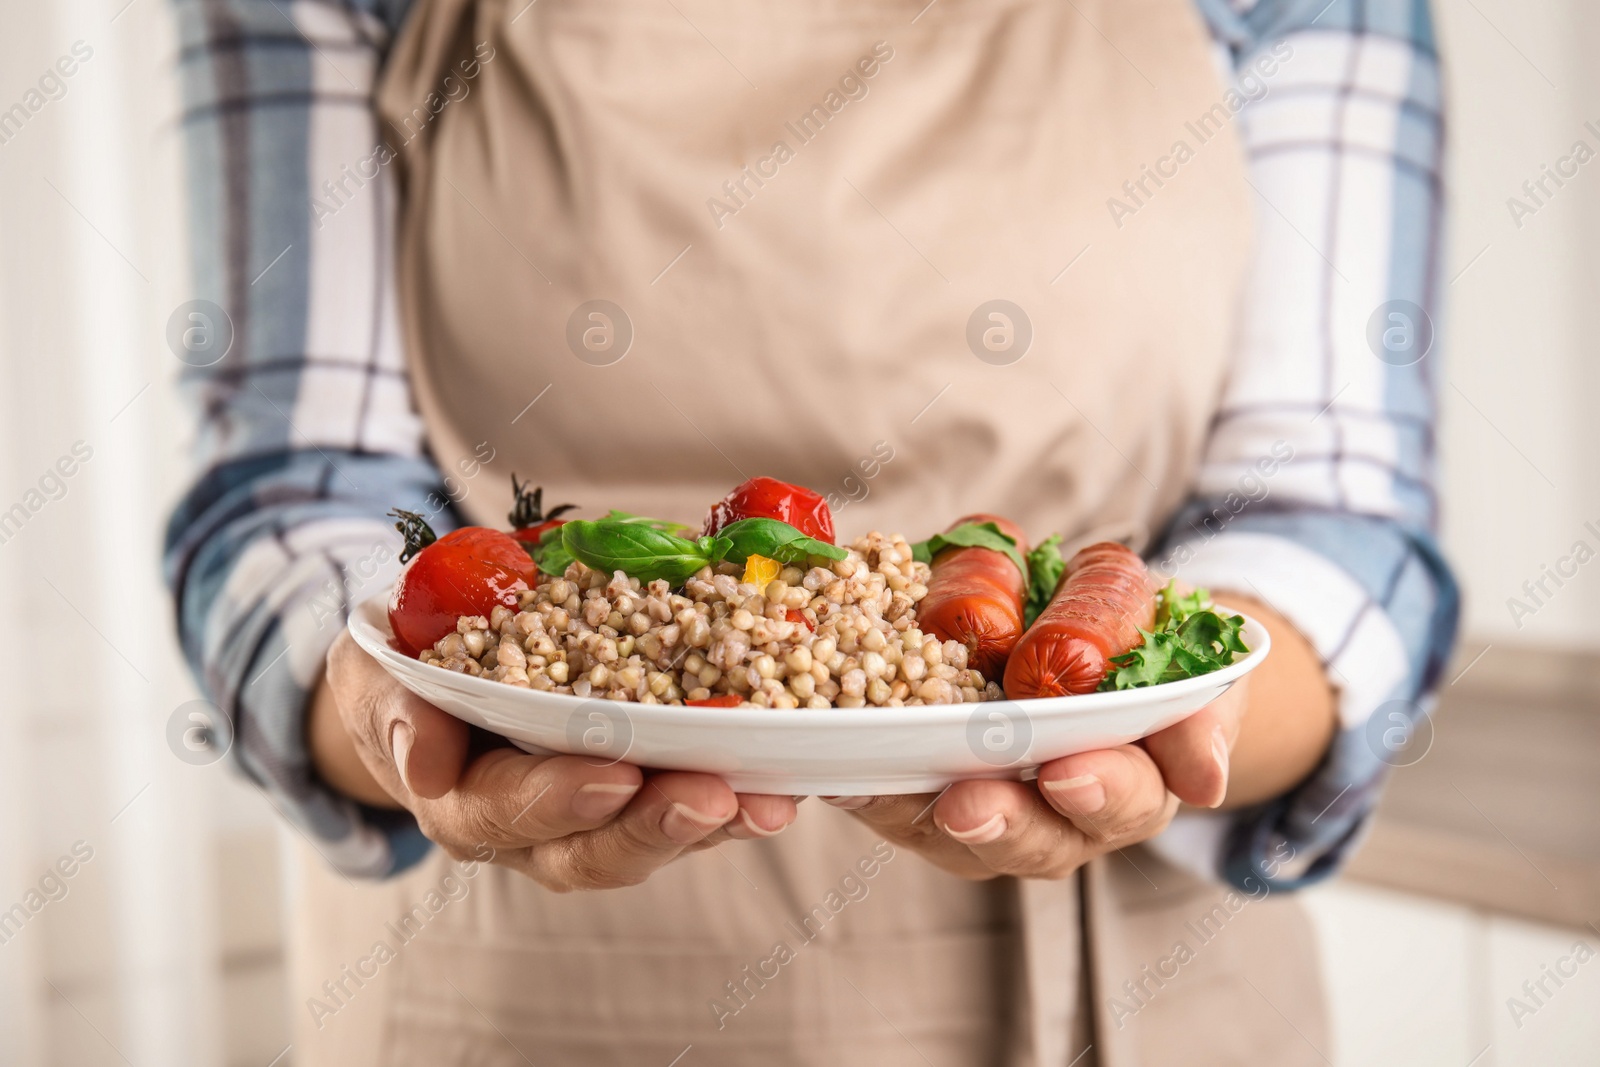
x,y
126,966
1414,983
1520,425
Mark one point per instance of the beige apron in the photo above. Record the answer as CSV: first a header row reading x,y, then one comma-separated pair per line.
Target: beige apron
x,y
797,216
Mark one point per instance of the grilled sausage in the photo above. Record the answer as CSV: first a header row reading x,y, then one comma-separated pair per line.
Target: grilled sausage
x,y
1105,597
975,597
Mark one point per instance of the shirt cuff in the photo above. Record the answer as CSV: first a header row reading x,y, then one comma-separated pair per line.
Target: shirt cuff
x,y
1305,834
293,593
1360,647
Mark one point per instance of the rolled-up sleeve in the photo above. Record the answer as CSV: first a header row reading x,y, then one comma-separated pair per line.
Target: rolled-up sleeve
x,y
1317,490
306,431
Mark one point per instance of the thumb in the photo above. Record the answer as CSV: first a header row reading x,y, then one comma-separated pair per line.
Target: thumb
x,y
1194,755
411,747
427,747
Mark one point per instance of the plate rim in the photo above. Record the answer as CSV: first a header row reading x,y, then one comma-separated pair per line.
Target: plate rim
x,y
374,640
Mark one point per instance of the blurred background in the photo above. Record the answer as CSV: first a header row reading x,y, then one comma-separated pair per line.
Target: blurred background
x,y
164,946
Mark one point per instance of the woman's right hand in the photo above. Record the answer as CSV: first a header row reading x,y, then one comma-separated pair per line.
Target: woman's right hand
x,y
565,821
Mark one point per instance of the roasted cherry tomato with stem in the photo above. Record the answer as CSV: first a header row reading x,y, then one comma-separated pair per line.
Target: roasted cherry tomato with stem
x,y
528,518
465,572
768,498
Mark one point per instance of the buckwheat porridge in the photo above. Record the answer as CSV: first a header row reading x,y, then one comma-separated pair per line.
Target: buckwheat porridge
x,y
845,635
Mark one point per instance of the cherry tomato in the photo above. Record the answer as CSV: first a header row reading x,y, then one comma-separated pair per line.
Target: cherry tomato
x,y
768,498
465,572
528,518
726,700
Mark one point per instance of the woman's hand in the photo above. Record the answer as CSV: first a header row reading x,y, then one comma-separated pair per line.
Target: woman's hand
x,y
565,821
1081,807
1256,742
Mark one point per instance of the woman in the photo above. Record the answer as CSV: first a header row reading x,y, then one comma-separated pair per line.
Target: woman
x,y
645,250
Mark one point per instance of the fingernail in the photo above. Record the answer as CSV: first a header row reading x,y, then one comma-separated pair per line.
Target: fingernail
x,y
683,825
847,803
744,828
401,735
599,799
1084,794
982,835
1219,750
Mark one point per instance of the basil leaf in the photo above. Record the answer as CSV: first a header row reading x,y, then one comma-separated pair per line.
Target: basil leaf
x,y
553,559
774,540
665,525
549,553
971,535
636,548
1045,567
716,548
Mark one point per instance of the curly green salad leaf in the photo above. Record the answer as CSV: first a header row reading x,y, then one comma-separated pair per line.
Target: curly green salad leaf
x,y
970,535
1189,639
1045,568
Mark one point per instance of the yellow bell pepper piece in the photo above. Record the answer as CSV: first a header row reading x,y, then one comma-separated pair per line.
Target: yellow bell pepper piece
x,y
759,570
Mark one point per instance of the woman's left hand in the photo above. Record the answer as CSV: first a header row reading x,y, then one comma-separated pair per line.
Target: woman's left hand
x,y
1081,807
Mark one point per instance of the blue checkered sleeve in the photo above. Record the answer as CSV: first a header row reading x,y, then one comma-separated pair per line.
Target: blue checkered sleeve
x,y
1317,490
306,429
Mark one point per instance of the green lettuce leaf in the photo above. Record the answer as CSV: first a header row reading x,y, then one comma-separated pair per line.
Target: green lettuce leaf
x,y
1190,639
1045,567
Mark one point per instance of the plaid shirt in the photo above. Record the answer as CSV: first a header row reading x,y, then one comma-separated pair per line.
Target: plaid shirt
x,y
1316,493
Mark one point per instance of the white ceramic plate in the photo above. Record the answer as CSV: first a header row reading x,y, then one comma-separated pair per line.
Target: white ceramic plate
x,y
827,752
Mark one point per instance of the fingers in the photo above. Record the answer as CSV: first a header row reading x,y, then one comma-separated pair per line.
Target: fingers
x,y
566,821
759,816
505,799
426,746
1010,829
671,813
1114,796
909,821
1193,755
1083,806
510,799
411,747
